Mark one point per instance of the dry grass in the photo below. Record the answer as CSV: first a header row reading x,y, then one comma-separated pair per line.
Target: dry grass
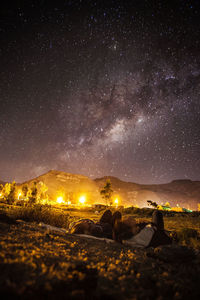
x,y
40,213
38,264
41,264
185,227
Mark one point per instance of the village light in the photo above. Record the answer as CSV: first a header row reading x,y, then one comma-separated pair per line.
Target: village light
x,y
19,195
60,199
82,200
116,201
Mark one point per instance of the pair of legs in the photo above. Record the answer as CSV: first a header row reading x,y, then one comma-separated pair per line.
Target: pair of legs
x,y
110,218
120,230
125,229
103,228
112,226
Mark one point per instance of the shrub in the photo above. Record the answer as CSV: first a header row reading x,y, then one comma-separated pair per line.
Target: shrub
x,y
41,213
195,214
152,203
140,212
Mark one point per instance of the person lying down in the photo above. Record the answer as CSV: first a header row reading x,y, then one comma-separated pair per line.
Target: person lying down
x,y
125,230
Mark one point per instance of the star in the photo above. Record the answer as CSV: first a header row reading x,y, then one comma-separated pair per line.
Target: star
x,y
100,88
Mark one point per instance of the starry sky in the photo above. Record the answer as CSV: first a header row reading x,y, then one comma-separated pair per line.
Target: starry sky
x,y
100,88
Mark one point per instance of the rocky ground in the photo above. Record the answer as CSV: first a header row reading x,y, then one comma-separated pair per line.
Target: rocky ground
x,y
37,263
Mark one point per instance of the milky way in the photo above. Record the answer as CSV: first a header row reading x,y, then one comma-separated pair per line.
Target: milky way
x,y
100,89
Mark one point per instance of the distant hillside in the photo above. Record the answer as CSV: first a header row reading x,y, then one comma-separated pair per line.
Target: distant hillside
x,y
69,185
186,193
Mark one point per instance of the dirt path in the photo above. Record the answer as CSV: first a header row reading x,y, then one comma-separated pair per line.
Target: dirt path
x,y
36,263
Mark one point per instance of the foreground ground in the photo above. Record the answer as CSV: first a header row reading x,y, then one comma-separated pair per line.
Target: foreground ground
x,y
38,263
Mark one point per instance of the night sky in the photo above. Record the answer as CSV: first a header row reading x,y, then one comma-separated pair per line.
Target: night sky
x,y
100,88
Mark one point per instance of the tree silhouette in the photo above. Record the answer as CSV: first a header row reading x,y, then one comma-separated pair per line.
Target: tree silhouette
x,y
33,195
12,194
25,190
43,191
106,192
154,204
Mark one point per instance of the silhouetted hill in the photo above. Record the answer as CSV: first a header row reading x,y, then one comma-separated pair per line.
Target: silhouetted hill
x,y
186,193
68,184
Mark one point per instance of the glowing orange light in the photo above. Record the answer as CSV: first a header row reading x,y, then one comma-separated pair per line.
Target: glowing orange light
x,y
19,195
60,199
82,200
116,201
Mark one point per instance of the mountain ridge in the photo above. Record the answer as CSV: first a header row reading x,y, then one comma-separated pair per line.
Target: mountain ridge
x,y
184,192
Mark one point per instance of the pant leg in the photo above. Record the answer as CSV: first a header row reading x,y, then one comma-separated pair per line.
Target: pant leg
x,y
106,217
160,237
157,219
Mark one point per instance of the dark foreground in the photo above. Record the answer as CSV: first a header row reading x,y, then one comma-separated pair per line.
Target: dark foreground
x,y
38,264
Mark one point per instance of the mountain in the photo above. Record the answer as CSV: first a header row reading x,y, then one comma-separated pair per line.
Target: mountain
x,y
68,185
185,193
